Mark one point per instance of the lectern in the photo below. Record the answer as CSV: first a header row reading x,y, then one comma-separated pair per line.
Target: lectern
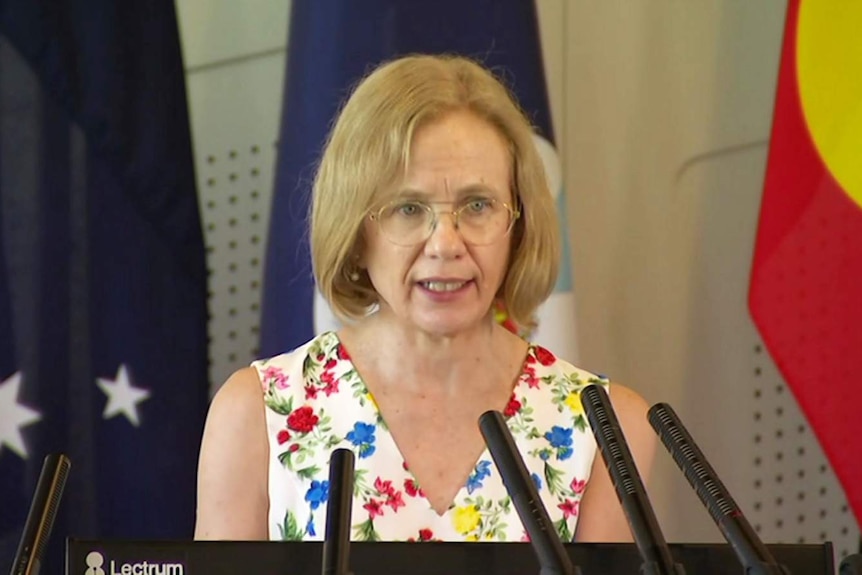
x,y
112,557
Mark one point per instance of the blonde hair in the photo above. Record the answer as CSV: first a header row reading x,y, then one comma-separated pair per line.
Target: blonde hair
x,y
368,149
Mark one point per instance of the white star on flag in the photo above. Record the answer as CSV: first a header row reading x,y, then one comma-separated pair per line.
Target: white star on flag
x,y
14,416
123,397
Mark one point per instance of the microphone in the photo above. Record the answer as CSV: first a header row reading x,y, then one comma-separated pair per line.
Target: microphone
x,y
336,539
553,559
749,549
40,518
651,544
851,565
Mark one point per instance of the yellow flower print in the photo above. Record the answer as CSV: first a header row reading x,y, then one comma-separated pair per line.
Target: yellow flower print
x,y
373,402
466,519
573,401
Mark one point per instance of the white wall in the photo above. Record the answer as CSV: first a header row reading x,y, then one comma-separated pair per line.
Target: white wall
x,y
662,111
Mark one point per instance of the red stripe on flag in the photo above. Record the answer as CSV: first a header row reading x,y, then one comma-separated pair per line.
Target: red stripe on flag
x,y
806,283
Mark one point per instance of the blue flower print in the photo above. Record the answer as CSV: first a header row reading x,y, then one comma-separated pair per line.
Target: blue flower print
x,y
560,438
537,480
309,527
362,436
481,471
318,493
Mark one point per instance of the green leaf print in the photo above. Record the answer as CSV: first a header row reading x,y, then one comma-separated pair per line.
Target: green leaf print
x,y
562,527
360,483
308,472
278,403
553,477
580,423
290,530
365,531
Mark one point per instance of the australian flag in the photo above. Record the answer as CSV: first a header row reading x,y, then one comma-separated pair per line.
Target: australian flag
x,y
103,351
333,44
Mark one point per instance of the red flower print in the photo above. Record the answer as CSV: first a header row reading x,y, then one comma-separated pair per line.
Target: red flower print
x,y
395,501
530,376
513,406
293,448
410,487
374,508
330,364
383,487
578,485
310,392
544,356
320,357
273,375
570,508
283,436
426,535
342,352
331,383
302,420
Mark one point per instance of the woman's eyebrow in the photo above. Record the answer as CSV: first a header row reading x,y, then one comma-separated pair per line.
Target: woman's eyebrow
x,y
460,194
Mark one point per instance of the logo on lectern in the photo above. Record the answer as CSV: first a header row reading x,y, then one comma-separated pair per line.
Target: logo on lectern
x,y
96,561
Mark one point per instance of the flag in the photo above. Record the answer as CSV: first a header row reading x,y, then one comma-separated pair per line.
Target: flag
x,y
333,44
104,271
806,281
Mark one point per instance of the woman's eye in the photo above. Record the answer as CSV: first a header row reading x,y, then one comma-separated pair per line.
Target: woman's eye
x,y
408,209
478,205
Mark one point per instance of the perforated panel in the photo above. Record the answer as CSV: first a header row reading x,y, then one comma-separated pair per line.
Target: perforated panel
x,y
796,497
235,107
235,216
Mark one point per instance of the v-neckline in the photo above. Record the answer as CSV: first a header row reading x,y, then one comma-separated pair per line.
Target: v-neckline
x,y
484,455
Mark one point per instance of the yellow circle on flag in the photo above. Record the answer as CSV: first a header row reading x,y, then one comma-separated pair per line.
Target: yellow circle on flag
x,y
829,68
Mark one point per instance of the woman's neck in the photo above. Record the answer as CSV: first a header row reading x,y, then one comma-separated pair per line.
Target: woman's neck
x,y
485,357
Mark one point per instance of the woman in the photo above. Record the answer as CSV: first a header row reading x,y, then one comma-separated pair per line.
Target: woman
x,y
430,210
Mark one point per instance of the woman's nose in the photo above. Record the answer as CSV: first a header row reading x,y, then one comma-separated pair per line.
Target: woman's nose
x,y
445,239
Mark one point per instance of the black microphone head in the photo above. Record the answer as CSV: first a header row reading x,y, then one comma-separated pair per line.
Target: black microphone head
x,y
851,565
544,539
691,461
339,508
750,550
608,432
626,480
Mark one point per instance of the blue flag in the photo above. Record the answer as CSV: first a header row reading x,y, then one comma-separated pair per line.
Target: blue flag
x,y
332,44
103,316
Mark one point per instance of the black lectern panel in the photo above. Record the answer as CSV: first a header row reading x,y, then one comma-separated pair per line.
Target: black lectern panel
x,y
106,557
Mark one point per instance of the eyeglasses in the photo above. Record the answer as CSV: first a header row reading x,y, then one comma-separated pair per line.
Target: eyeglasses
x,y
480,220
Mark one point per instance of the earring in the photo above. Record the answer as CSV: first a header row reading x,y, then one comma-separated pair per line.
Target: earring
x,y
353,276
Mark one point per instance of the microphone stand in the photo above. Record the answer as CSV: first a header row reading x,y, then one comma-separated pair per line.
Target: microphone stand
x,y
43,511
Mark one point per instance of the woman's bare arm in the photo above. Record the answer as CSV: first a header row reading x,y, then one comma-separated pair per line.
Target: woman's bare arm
x,y
601,517
232,470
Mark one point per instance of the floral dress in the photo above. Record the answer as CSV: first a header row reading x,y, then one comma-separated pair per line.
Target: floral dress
x,y
316,402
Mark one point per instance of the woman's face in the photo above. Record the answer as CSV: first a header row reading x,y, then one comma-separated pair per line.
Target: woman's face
x,y
443,285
